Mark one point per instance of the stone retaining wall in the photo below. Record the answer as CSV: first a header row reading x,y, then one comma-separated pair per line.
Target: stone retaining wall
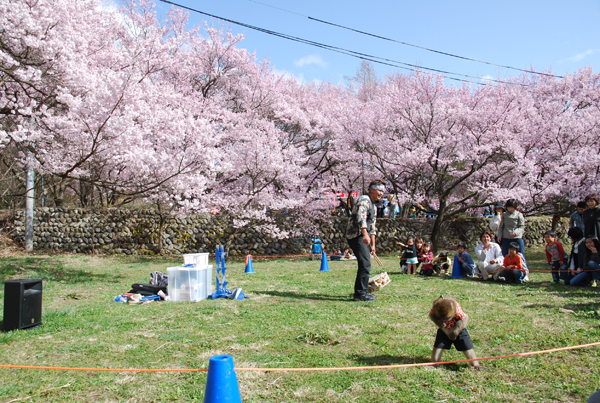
x,y
137,232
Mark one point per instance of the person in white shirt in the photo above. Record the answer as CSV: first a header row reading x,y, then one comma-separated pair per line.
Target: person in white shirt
x,y
496,219
489,255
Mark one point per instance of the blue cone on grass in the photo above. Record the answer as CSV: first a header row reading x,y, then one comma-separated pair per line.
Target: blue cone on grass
x,y
324,264
456,269
221,383
249,268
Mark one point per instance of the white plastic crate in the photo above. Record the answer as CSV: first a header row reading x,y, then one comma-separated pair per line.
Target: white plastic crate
x,y
189,282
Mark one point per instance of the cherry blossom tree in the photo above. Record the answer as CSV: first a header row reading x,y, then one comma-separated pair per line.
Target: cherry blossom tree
x,y
188,120
458,147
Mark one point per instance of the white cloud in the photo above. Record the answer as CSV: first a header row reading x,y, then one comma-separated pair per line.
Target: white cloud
x,y
580,56
487,77
311,60
299,78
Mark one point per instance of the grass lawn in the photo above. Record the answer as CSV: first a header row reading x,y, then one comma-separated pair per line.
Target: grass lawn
x,y
296,317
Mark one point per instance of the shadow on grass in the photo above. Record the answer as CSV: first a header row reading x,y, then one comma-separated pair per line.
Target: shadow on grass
x,y
298,295
395,360
50,269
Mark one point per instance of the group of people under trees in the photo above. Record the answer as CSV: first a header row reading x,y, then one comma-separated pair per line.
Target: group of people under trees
x,y
500,253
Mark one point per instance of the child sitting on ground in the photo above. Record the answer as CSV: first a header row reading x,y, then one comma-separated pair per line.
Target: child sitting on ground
x,y
426,259
513,265
409,255
591,265
576,262
555,255
337,255
441,262
465,260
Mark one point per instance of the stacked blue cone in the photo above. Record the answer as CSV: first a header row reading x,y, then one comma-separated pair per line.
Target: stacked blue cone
x,y
221,383
249,268
456,269
324,264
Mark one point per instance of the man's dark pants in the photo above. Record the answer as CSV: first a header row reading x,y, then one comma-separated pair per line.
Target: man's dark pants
x,y
363,256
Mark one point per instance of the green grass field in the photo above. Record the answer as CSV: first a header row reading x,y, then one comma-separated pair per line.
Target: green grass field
x,y
296,317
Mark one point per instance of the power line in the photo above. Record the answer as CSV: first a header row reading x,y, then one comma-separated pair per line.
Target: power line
x,y
359,55
433,50
408,44
278,8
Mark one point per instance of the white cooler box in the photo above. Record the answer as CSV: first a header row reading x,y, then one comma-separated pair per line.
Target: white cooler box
x,y
190,282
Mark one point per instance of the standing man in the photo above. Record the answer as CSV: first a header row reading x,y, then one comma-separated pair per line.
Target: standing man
x,y
577,217
361,237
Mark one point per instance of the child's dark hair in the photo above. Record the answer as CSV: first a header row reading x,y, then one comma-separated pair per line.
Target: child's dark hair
x,y
581,204
595,241
462,245
513,245
443,254
551,233
593,197
512,203
575,233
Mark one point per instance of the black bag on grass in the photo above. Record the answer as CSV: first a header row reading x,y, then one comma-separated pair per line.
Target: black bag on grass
x,y
147,289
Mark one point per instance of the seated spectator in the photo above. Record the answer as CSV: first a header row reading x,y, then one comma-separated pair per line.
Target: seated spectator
x,y
576,258
441,262
337,255
465,260
489,255
348,254
513,265
591,265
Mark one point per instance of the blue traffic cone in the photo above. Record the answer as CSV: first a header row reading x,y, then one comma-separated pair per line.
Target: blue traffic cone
x,y
221,383
249,268
324,264
456,270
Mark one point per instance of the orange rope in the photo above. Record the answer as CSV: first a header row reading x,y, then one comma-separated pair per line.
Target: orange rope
x,y
306,369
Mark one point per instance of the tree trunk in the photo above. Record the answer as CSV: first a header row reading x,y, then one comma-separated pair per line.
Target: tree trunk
x,y
437,227
58,191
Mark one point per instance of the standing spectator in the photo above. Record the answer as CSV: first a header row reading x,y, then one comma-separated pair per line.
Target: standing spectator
x,y
555,254
392,206
380,205
496,219
591,217
419,242
409,256
512,227
427,259
577,217
360,233
489,255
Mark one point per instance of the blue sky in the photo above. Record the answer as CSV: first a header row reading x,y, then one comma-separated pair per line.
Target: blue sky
x,y
557,35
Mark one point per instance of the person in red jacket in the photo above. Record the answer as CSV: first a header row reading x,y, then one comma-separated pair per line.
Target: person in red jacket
x,y
555,254
513,265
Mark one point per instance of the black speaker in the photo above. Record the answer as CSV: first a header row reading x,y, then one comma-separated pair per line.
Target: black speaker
x,y
22,304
